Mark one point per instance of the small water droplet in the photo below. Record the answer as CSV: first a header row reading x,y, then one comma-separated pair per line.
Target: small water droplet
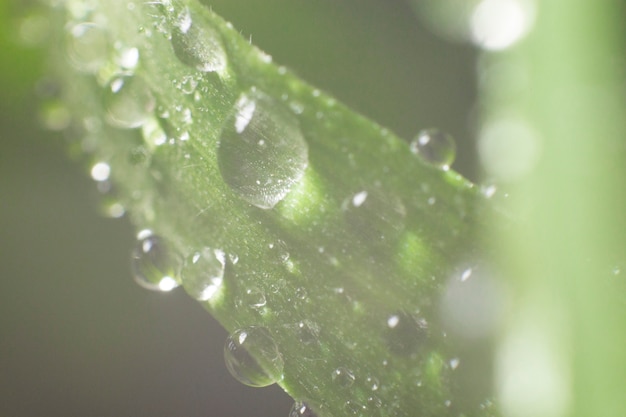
x,y
262,152
252,297
405,334
435,147
301,293
155,266
198,46
308,332
343,377
188,84
87,46
373,383
454,363
301,409
203,273
128,101
252,357
153,134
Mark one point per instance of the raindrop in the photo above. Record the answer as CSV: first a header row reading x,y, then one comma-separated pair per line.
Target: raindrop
x,y
198,47
373,383
301,409
343,377
405,334
203,273
155,266
262,152
307,332
128,101
252,297
435,147
252,357
87,46
188,84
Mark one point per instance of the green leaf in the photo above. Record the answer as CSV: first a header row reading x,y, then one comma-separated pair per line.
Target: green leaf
x,y
313,234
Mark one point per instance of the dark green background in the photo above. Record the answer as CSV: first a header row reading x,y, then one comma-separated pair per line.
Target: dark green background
x,y
77,336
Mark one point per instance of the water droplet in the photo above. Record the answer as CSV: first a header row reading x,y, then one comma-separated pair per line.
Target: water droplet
x,y
203,273
373,383
100,171
128,101
454,363
308,332
301,409
262,152
153,134
253,298
155,266
188,84
435,147
198,47
405,334
343,377
252,357
87,47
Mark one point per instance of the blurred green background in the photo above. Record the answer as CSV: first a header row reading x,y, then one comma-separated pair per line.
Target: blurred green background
x,y
77,335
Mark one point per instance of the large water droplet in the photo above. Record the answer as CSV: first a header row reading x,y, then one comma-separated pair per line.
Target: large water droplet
x,y
155,266
198,47
203,273
262,152
301,409
128,102
87,46
252,357
406,334
435,147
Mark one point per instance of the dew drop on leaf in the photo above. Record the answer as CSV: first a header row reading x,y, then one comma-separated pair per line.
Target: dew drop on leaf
x,y
203,273
251,297
252,357
405,334
262,151
435,147
343,377
198,47
128,101
155,266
